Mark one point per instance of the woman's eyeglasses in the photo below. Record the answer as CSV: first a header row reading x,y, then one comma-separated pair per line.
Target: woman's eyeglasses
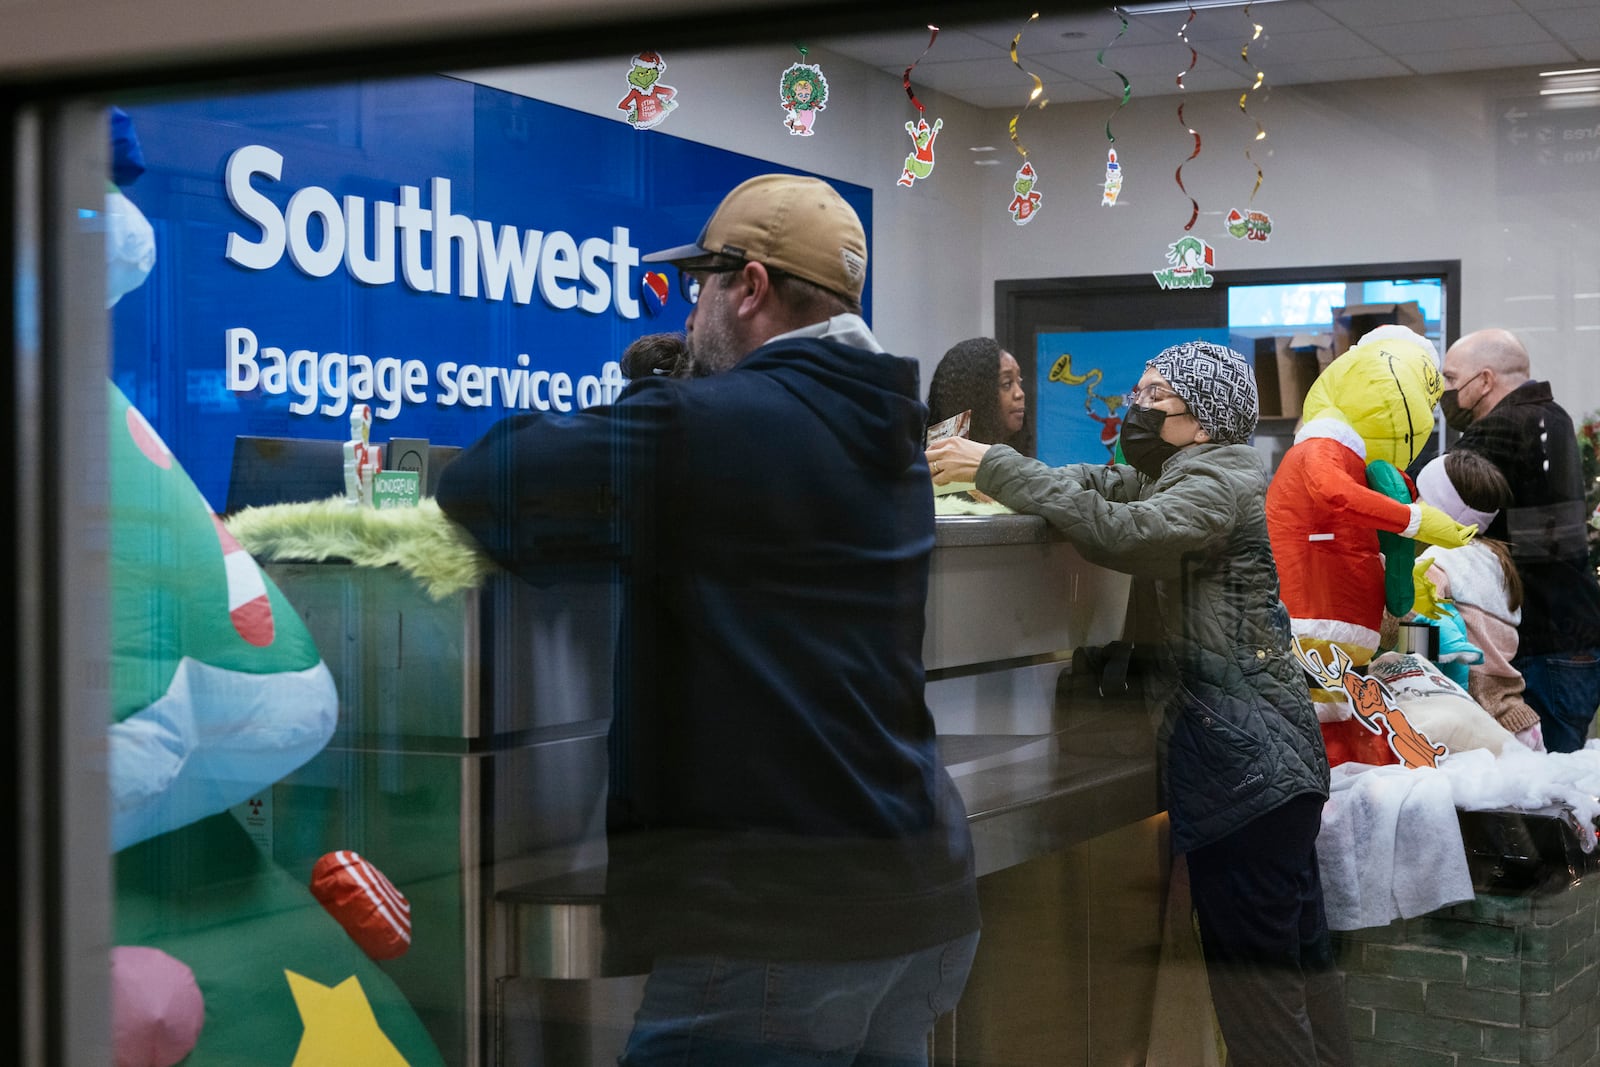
x,y
1153,393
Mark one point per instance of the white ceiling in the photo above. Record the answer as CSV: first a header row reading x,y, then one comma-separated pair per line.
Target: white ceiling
x,y
1302,41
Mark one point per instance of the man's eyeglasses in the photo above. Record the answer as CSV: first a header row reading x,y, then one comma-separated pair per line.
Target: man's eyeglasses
x,y
690,279
1153,393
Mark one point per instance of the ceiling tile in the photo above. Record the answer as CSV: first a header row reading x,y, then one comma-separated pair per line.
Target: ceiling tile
x,y
901,48
1358,14
1099,29
1447,35
1581,22
1551,5
1214,24
1305,41
1355,69
1486,58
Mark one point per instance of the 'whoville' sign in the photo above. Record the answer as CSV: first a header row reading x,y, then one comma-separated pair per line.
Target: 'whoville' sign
x,y
445,252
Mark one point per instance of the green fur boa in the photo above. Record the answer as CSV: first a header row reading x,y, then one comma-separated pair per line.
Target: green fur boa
x,y
421,540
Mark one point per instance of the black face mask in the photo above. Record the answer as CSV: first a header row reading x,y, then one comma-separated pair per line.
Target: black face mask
x,y
1456,417
1141,440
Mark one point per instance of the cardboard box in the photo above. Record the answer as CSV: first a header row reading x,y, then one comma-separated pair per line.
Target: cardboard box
x,y
1300,358
1265,364
1352,323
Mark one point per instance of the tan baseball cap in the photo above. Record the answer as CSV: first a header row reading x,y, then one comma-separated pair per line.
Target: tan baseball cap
x,y
798,225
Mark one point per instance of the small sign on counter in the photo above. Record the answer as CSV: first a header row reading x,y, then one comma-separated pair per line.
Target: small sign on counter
x,y
396,489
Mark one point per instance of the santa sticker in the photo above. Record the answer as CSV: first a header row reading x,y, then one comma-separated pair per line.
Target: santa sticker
x,y
1025,204
803,92
919,164
648,102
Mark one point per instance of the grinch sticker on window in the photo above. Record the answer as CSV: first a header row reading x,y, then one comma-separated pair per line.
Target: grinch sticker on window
x,y
649,102
1191,261
1249,225
803,92
919,164
1026,203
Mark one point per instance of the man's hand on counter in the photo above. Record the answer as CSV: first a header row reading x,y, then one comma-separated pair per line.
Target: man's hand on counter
x,y
955,459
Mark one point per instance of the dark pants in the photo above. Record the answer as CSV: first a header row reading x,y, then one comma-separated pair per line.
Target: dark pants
x,y
1258,897
713,1011
1564,688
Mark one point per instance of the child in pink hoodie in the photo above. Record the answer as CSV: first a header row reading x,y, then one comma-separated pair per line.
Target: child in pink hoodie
x,y
1482,581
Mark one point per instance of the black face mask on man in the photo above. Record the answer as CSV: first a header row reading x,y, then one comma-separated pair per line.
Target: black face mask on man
x,y
1456,417
1141,440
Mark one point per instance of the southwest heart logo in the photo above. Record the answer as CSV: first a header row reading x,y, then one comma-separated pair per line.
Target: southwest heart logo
x,y
653,290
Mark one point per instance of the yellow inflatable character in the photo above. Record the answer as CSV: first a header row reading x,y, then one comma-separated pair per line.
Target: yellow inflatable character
x,y
1366,417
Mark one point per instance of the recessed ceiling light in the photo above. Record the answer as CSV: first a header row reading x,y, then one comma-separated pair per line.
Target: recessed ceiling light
x,y
986,162
1574,89
981,148
1558,73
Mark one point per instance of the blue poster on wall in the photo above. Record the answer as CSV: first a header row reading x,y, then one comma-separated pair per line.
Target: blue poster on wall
x,y
1083,378
445,252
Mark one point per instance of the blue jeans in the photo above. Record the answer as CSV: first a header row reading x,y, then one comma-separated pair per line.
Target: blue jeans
x,y
1564,688
720,1012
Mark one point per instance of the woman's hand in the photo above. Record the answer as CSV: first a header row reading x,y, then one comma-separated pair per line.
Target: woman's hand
x,y
955,459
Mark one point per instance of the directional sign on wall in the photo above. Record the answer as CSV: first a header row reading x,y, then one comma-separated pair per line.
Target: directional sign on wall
x,y
1547,144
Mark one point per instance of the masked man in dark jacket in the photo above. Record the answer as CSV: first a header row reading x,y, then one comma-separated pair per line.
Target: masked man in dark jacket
x,y
783,841
1517,424
1243,766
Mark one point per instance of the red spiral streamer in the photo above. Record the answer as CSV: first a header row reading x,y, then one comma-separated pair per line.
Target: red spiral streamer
x,y
905,79
1244,97
1194,206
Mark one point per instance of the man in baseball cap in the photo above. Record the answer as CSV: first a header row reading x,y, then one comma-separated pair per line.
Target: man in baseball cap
x,y
776,802
781,252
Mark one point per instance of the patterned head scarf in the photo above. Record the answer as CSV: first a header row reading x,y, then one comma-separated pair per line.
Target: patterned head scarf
x,y
1217,385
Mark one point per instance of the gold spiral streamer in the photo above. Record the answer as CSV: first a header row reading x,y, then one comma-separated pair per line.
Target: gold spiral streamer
x,y
1244,97
1038,87
1194,205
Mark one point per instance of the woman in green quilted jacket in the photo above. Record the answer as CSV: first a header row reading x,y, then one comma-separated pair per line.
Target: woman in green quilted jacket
x,y
1243,770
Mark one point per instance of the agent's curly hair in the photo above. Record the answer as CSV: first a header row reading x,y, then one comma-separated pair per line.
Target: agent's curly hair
x,y
968,376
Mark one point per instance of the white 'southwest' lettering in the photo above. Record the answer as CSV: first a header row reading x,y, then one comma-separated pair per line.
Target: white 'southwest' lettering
x,y
430,249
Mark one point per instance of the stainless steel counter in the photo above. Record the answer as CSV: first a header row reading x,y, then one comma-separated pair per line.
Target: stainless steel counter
x,y
489,710
1008,601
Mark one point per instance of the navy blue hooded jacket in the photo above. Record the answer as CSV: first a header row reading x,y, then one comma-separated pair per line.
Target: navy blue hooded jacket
x,y
775,787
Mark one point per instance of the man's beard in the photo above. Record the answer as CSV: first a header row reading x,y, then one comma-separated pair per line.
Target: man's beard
x,y
712,350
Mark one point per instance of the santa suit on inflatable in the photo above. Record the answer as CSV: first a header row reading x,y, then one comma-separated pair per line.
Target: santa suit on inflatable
x,y
1373,404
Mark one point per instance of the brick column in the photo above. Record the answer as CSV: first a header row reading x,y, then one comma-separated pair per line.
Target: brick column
x,y
1498,980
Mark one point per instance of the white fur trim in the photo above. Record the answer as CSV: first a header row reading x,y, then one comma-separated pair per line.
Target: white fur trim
x,y
1395,332
1336,429
1337,631
1416,522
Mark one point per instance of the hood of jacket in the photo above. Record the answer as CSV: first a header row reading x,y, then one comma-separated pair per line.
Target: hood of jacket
x,y
864,397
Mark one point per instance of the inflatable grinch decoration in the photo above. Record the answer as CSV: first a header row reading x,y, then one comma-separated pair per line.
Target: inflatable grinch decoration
x,y
218,691
1339,487
222,957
